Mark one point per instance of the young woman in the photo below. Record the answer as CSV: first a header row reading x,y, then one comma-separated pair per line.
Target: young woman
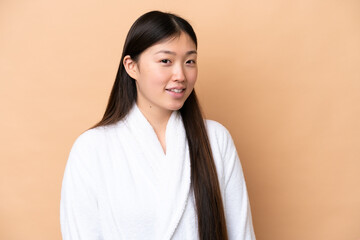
x,y
152,168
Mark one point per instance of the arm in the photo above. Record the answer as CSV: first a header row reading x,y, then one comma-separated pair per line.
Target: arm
x,y
237,206
78,206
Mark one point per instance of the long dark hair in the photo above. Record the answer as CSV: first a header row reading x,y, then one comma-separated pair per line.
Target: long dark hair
x,y
148,30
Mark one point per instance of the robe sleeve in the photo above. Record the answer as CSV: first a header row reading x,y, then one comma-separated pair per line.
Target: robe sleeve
x,y
237,206
78,206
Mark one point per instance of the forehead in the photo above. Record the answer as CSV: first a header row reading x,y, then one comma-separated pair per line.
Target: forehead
x,y
179,43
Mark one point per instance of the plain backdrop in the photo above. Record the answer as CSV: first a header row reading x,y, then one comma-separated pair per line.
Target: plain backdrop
x,y
282,75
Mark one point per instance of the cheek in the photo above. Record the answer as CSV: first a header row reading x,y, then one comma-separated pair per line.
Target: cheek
x,y
192,77
154,78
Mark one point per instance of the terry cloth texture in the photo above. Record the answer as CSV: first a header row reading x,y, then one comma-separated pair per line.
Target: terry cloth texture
x,y
119,183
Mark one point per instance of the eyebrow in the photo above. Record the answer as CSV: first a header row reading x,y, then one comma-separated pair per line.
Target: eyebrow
x,y
173,53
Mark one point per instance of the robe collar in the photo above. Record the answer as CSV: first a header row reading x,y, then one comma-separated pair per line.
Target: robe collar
x,y
170,171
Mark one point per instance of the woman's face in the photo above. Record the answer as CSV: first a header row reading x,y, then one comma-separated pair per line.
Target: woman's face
x,y
165,74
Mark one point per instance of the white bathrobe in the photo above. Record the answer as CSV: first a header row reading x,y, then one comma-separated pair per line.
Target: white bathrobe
x,y
119,183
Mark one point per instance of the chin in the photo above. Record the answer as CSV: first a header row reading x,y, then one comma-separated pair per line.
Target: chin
x,y
175,107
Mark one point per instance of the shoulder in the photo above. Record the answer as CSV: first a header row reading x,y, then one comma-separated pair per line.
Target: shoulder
x,y
214,126
86,151
217,130
93,139
89,138
219,137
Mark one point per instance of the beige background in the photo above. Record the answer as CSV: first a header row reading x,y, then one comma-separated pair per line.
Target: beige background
x,y
283,76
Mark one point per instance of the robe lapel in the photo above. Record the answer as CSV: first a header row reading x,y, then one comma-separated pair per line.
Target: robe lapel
x,y
170,172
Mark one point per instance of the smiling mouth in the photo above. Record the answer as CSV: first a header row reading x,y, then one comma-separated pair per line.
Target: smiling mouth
x,y
176,90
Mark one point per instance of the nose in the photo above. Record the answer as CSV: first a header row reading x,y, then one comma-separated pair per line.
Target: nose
x,y
179,73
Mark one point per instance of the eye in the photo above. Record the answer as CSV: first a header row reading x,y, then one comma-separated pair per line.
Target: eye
x,y
191,62
166,61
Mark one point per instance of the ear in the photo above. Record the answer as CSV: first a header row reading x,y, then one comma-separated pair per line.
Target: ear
x,y
130,67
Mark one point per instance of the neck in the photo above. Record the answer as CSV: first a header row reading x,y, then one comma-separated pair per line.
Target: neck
x,y
158,119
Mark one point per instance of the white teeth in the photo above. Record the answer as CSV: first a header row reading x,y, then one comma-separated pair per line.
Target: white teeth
x,y
176,90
